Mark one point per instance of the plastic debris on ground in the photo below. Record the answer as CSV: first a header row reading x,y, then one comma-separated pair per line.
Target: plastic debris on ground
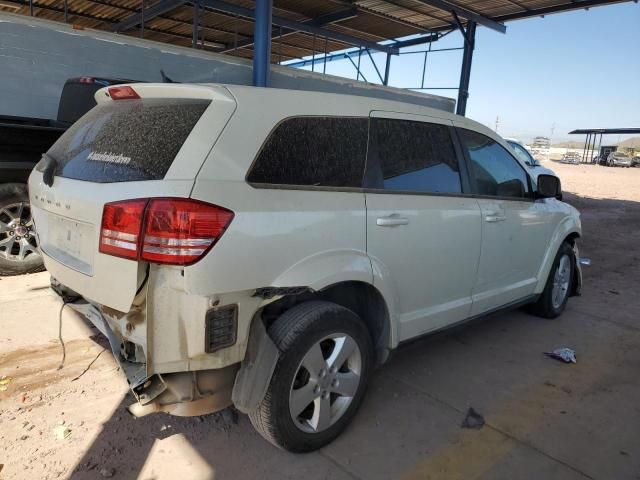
x,y
61,432
108,472
563,354
473,420
4,383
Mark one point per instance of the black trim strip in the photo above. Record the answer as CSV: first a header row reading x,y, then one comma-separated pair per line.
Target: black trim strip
x,y
448,328
317,188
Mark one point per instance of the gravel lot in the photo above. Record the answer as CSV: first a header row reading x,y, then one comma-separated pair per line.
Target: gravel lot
x,y
544,419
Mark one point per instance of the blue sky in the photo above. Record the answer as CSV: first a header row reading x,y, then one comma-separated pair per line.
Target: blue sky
x,y
576,69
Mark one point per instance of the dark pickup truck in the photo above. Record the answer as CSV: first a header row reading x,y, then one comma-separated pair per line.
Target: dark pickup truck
x,y
23,140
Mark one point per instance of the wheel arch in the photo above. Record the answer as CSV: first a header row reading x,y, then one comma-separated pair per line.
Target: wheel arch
x,y
262,355
569,231
362,298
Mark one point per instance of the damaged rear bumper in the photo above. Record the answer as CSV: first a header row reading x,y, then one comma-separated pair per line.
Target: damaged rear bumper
x,y
179,393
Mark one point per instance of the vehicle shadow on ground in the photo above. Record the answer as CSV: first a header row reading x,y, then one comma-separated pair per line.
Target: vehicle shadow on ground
x,y
415,404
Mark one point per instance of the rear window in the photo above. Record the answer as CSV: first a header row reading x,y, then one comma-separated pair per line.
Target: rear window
x,y
126,140
313,151
414,157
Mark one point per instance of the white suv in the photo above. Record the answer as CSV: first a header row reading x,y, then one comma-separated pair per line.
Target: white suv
x,y
268,248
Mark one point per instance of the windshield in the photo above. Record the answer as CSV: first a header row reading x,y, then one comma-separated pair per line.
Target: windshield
x,y
523,154
620,155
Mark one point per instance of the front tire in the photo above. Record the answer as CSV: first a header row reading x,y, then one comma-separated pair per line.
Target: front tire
x,y
18,246
320,378
556,292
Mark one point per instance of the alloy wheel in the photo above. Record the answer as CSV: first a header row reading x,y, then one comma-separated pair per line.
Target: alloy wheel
x,y
561,280
17,233
325,382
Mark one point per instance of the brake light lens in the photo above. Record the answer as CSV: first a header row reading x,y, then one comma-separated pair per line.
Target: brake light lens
x,y
171,231
181,231
123,93
121,225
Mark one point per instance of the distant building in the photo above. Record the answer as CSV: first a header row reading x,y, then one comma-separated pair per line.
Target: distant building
x,y
541,143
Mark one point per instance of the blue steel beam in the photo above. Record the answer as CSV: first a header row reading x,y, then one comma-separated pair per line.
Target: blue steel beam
x,y
465,71
470,15
320,21
354,53
262,38
160,8
226,7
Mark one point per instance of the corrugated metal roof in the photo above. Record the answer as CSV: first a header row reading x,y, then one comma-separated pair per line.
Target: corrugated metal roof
x,y
372,20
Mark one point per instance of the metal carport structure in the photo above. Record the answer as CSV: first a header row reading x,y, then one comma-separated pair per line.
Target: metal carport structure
x,y
592,137
300,28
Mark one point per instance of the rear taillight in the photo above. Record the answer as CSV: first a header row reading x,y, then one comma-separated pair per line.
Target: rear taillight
x,y
171,231
121,225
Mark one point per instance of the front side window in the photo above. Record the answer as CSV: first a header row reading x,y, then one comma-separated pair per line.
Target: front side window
x,y
495,172
414,157
313,151
523,154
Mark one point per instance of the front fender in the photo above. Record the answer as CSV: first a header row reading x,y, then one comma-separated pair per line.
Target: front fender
x,y
570,225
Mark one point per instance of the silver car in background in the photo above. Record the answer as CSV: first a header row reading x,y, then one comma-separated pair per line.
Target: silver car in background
x,y
618,159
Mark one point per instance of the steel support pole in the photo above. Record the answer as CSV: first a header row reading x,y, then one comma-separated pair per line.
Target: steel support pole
x,y
142,20
262,44
387,66
586,142
196,21
66,16
599,145
465,71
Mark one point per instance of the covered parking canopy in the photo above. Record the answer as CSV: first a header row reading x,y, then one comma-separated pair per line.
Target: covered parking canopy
x,y
592,137
299,28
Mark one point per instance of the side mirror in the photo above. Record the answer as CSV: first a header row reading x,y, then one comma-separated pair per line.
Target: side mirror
x,y
549,187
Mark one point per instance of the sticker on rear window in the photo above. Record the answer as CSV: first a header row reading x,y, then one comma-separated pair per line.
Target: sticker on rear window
x,y
109,157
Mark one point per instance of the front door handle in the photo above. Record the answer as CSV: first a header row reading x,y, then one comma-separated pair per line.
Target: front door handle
x,y
391,221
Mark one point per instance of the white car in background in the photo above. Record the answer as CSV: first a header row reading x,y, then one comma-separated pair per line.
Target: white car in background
x,y
268,248
525,157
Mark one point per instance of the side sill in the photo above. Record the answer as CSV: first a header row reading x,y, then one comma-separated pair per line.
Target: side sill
x,y
462,323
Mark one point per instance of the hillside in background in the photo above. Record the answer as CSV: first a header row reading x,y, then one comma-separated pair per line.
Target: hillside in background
x,y
633,142
571,144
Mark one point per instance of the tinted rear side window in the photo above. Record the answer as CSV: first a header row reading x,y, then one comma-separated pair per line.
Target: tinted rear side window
x,y
313,151
126,140
414,157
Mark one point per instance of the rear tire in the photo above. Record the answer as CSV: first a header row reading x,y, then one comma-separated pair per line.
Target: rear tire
x,y
18,247
557,290
326,356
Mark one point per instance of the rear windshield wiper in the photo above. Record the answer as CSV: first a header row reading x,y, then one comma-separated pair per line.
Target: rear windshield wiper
x,y
48,169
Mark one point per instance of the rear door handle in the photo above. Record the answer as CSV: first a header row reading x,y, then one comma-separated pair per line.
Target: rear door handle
x,y
493,217
391,221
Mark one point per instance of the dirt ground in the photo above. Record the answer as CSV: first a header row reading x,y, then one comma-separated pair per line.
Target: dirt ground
x,y
544,419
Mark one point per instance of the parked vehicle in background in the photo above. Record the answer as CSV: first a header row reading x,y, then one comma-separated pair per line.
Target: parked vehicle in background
x,y
635,161
618,159
23,140
534,167
271,260
572,158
